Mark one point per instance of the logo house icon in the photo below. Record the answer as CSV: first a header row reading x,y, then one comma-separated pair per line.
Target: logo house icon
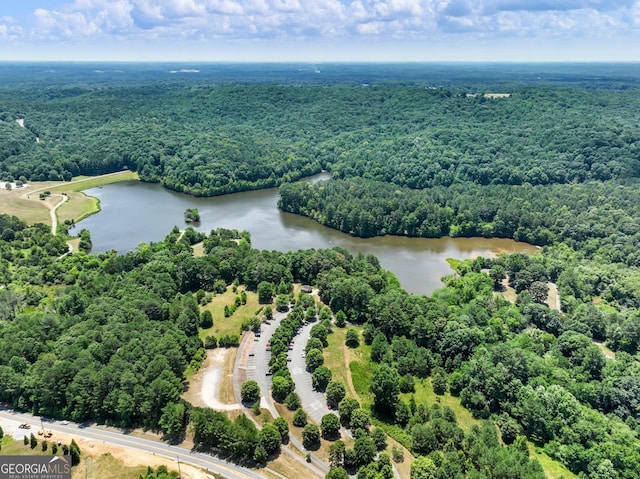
x,y
58,465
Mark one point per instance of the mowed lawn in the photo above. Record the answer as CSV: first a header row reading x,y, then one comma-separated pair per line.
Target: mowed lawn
x,y
334,357
77,207
232,325
12,203
80,183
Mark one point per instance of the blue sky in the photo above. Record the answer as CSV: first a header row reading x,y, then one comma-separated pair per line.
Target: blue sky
x,y
321,30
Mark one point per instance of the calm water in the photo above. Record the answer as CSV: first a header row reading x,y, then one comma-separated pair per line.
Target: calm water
x,y
134,212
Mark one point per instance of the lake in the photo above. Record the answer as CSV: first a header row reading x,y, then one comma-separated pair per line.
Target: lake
x,y
133,212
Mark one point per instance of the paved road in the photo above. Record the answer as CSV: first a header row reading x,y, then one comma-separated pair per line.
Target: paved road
x,y
313,402
184,455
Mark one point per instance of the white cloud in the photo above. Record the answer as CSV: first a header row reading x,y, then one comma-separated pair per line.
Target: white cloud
x,y
226,7
635,14
203,21
371,28
287,5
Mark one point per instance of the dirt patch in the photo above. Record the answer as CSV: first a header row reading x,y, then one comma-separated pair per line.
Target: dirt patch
x,y
205,386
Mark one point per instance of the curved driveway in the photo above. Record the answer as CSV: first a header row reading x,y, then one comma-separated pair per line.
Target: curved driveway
x,y
184,455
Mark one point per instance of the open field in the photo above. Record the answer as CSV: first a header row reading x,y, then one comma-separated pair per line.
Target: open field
x,y
334,355
80,183
78,207
31,211
289,467
508,292
608,353
198,249
231,325
26,205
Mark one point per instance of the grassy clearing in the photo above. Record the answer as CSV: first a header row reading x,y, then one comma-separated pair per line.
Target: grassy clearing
x,y
334,355
232,325
289,467
78,207
26,205
552,297
105,466
226,393
404,467
508,292
361,370
198,249
80,183
424,395
608,353
552,469
74,243
30,211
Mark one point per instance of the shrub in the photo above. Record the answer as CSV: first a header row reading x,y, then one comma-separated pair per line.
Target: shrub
x,y
299,418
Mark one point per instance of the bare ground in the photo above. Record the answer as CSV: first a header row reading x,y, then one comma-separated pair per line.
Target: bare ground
x,y
205,386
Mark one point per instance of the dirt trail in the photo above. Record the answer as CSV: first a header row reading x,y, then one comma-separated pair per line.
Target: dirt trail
x,y
558,304
54,217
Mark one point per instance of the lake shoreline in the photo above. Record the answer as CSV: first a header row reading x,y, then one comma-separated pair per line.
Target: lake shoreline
x,y
418,263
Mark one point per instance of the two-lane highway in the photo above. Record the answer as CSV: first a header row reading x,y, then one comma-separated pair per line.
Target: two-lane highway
x,y
184,455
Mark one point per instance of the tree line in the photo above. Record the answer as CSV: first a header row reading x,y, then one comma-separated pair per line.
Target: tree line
x,y
600,218
212,140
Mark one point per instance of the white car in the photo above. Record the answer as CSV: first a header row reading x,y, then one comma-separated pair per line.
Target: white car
x,y
64,423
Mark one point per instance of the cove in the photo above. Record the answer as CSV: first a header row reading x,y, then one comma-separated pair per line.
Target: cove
x,y
133,212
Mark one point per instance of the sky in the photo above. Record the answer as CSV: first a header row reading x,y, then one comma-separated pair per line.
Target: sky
x,y
320,30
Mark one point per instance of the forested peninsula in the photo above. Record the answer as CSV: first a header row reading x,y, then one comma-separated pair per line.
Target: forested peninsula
x,y
545,154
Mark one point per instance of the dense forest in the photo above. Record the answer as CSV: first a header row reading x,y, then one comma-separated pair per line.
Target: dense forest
x,y
212,139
